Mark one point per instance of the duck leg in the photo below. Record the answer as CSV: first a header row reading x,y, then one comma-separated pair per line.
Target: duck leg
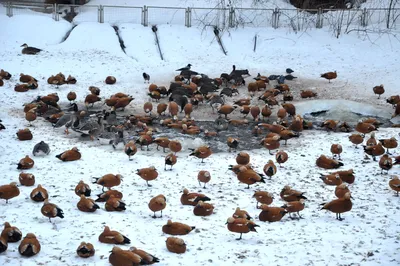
x,y
239,237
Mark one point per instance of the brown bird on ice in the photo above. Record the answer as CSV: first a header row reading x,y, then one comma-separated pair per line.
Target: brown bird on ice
x,y
249,176
29,246
356,139
385,163
328,163
294,206
336,149
269,169
113,237
341,190
332,179
375,150
170,160
203,209
25,163
175,228
108,180
203,176
148,174
103,197
329,75
201,152
130,149
243,158
85,250
271,214
346,175
147,259
158,203
281,157
87,204
239,213
263,197
39,194
114,204
232,143
394,184
120,257
82,189
3,241
241,226
339,206
192,198
379,90
288,194
389,143
11,233
9,191
51,210
69,155
176,245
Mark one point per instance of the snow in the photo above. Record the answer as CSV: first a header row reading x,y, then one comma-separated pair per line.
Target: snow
x,y
92,52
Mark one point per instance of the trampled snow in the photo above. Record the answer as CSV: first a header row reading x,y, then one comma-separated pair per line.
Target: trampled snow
x,y
369,235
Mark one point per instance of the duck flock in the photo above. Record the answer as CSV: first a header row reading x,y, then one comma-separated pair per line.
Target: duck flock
x,y
273,122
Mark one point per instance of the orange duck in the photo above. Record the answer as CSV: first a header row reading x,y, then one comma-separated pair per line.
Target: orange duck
x,y
82,189
288,194
249,176
176,245
341,190
339,206
11,233
9,191
281,157
25,163
394,184
203,176
29,246
175,228
263,197
87,204
148,174
294,206
69,155
158,203
85,250
241,226
328,163
113,237
114,204
192,198
51,210
108,180
271,214
203,209
201,152
39,194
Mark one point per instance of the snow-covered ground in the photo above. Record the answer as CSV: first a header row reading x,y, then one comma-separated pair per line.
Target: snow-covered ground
x,y
369,235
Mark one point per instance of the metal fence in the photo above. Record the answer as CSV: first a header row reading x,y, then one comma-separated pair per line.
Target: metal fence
x,y
339,20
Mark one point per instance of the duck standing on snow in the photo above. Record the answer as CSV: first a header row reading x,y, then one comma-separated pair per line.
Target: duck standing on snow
x,y
30,50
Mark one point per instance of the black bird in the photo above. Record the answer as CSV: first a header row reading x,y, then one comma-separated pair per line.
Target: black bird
x,y
290,77
289,70
2,126
146,77
184,68
30,50
41,148
281,79
273,77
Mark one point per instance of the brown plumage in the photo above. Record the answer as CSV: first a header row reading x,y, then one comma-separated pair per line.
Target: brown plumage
x,y
24,134
29,246
71,96
281,113
397,110
147,259
204,177
372,140
192,198
39,194
341,190
175,228
130,149
173,109
288,134
69,155
393,100
201,152
226,109
274,128
161,108
263,197
241,226
336,149
346,175
176,245
108,180
330,124
4,74
394,184
203,209
121,103
271,143
332,179
113,237
26,78
232,143
11,233
269,169
271,214
249,176
281,157
307,94
51,210
103,197
294,206
329,75
87,204
243,158
158,203
339,206
242,102
23,87
385,163
288,194
82,189
110,80
162,142
356,139
266,111
364,128
389,143
255,112
148,174
114,204
328,163
85,250
239,213
245,110
25,163
91,99
147,107
145,140
375,150
27,179
9,191
3,242
171,160
379,90
290,108
188,109
120,257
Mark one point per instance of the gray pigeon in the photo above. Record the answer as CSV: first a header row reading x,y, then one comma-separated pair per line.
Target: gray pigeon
x,y
42,148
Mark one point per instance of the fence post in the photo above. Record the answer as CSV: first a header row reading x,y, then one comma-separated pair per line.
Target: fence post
x,y
275,18
189,10
145,16
55,12
10,11
186,17
231,17
364,18
319,19
100,14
